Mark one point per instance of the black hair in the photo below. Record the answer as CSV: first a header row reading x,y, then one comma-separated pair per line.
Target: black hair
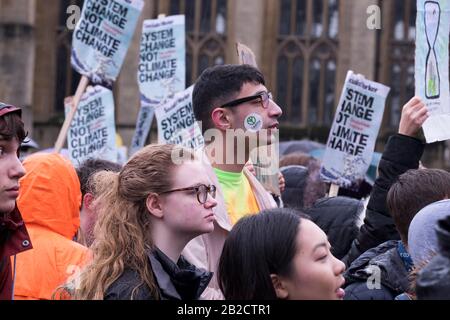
x,y
219,84
91,166
258,246
11,126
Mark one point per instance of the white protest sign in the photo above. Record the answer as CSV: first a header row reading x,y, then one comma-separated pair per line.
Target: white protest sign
x,y
352,138
102,36
432,85
246,55
92,133
161,70
143,124
176,122
162,66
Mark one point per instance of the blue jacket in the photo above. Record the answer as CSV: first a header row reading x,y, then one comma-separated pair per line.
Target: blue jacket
x,y
378,274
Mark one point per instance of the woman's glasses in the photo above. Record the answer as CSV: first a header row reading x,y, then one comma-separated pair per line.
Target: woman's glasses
x,y
201,190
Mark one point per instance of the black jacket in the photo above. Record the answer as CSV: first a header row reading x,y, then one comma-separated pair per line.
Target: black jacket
x,y
296,180
181,281
338,218
401,154
378,274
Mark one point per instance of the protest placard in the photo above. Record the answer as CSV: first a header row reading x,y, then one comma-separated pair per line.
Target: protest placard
x,y
92,133
102,36
352,138
84,82
176,121
431,68
161,70
143,125
162,65
246,55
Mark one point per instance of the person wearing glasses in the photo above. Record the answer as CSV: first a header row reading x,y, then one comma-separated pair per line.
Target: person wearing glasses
x,y
14,237
231,101
147,213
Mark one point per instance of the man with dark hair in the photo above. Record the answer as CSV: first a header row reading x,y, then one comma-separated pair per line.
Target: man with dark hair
x,y
221,84
88,216
237,115
14,237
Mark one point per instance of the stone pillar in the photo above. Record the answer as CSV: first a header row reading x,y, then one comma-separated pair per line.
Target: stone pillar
x,y
357,43
248,27
17,46
47,121
46,66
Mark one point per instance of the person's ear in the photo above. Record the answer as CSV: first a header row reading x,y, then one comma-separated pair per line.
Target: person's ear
x,y
154,206
88,199
280,288
221,118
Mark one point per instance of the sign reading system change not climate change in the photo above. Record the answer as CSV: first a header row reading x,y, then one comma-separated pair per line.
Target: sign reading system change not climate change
x,y
92,133
102,36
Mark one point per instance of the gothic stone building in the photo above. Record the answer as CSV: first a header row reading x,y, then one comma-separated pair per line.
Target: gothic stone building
x,y
304,47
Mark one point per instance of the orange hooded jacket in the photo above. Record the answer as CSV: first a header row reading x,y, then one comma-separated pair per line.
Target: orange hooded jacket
x,y
49,201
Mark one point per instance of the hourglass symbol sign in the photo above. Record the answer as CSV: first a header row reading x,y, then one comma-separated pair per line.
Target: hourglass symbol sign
x,y
432,19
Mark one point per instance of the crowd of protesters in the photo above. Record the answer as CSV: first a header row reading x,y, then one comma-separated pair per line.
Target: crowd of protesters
x,y
174,224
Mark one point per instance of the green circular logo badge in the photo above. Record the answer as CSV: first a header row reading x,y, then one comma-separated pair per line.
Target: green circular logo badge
x,y
251,120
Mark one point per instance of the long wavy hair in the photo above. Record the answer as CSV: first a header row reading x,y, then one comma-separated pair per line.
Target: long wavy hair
x,y
122,232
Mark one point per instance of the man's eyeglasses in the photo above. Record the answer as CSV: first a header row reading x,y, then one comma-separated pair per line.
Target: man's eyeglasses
x,y
264,97
201,190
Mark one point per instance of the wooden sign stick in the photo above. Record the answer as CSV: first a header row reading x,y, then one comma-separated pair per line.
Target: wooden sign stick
x,y
334,190
84,81
246,55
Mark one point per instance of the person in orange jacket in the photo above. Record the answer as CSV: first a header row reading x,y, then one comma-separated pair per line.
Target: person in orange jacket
x,y
49,200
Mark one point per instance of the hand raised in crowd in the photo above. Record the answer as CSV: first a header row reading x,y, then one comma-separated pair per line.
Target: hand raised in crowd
x,y
414,114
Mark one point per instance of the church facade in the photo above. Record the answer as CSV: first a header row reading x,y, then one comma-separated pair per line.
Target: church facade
x,y
303,47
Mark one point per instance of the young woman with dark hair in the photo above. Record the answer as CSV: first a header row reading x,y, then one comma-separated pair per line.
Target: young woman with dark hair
x,y
279,254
